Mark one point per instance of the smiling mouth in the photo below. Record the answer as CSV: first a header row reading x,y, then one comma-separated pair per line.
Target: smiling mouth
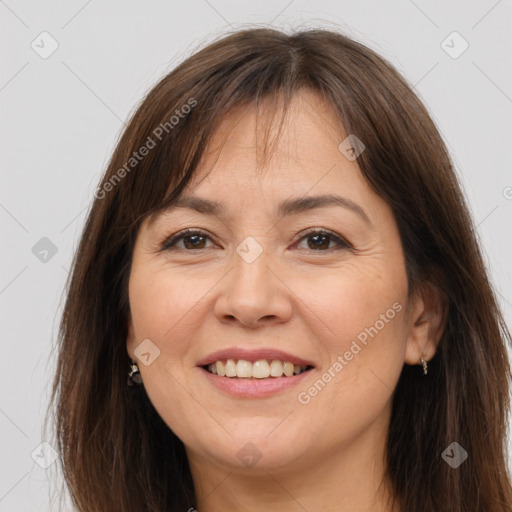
x,y
261,369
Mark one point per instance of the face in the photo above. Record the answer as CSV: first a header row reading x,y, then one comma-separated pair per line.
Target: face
x,y
320,286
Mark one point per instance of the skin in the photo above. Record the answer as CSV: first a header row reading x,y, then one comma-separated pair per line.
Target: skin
x,y
327,454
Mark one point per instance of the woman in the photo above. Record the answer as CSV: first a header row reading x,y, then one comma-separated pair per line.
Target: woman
x,y
278,299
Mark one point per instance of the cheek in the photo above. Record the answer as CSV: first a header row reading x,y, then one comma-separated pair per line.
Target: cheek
x,y
352,299
360,329
162,307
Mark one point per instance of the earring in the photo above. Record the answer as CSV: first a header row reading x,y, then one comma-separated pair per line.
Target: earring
x,y
134,376
425,366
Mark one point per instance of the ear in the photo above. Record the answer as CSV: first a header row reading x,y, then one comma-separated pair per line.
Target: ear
x,y
428,311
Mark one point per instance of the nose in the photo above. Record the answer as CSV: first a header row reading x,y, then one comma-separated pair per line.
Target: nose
x,y
254,294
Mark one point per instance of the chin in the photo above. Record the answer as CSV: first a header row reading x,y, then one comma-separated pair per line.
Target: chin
x,y
255,450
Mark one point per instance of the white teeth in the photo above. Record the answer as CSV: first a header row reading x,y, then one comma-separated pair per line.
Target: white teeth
x,y
220,368
276,368
288,369
243,368
261,369
230,368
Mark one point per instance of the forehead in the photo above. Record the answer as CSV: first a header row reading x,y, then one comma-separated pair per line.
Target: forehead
x,y
272,125
305,169
295,144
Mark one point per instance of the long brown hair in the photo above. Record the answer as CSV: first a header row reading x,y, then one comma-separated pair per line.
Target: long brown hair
x,y
116,452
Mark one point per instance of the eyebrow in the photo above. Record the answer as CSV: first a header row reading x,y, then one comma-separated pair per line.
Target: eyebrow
x,y
285,208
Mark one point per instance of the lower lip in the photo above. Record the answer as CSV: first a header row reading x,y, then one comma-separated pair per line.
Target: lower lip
x,y
254,388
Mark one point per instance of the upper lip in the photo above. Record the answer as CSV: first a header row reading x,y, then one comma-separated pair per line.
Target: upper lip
x,y
255,354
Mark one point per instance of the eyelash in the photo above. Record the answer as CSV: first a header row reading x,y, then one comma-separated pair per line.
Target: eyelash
x,y
168,243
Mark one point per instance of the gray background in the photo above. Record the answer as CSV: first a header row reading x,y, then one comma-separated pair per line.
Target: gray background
x,y
61,117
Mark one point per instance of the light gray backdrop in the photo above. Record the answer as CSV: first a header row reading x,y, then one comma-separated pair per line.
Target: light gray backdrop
x,y
72,72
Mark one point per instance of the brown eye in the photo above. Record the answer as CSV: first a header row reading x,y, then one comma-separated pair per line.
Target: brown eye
x,y
191,240
321,238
